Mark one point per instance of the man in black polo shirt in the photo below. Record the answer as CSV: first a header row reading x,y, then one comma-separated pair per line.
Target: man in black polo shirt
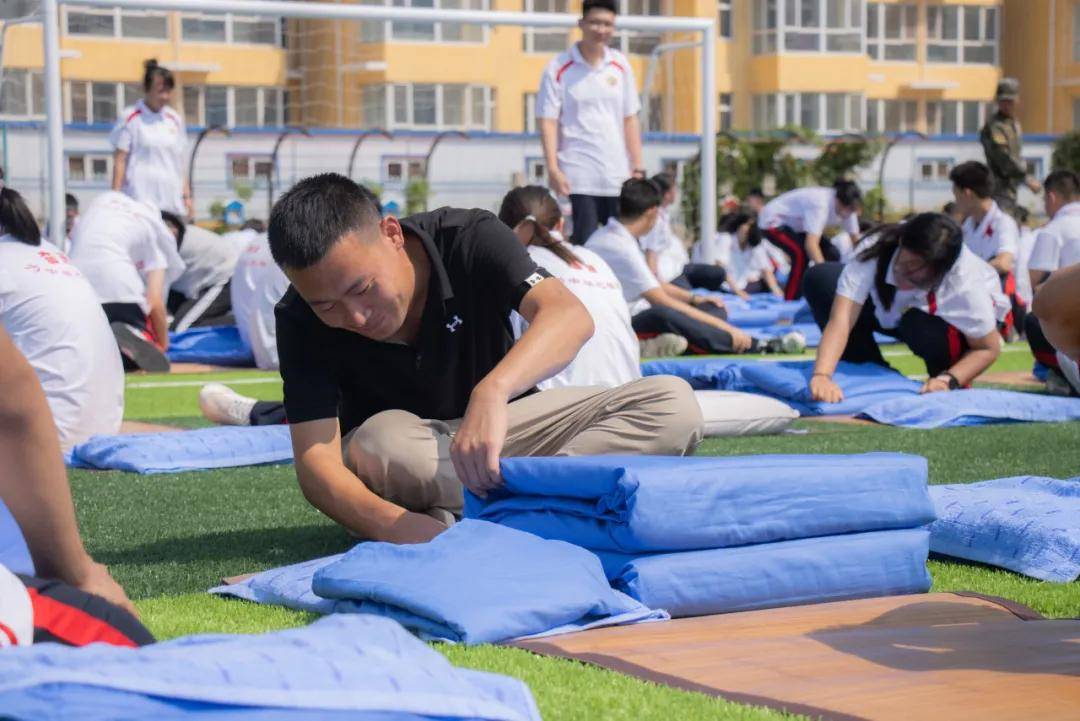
x,y
400,370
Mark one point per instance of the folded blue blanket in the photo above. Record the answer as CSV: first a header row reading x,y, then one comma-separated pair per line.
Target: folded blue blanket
x,y
288,586
341,667
863,384
972,407
788,573
174,451
219,345
703,374
14,554
1026,524
638,504
480,583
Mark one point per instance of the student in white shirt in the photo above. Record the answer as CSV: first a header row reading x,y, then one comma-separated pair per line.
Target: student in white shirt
x,y
1057,245
257,286
1058,308
919,284
989,232
587,109
795,223
128,253
200,296
54,317
665,253
150,147
739,250
657,307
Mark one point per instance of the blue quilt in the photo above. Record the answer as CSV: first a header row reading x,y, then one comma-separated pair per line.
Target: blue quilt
x,y
973,407
641,504
218,345
175,451
1026,524
767,575
341,667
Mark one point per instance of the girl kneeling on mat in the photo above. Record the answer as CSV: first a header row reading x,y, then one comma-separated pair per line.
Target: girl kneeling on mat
x,y
919,284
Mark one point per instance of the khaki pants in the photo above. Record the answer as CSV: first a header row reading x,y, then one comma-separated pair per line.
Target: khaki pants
x,y
406,459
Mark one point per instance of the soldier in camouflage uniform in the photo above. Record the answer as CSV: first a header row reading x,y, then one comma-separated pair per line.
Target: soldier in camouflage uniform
x,y
1001,137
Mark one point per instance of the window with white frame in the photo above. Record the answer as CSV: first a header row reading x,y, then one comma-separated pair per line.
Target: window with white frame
x,y
655,109
372,31
1076,33
117,23
724,110
819,112
967,34
229,28
546,40
373,100
724,19
425,32
93,102
934,170
891,116
430,106
89,167
397,171
638,42
536,172
1076,114
766,24
833,26
530,124
207,105
955,117
248,169
12,9
892,31
22,94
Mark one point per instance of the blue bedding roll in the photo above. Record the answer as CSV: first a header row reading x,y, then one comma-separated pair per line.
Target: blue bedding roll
x,y
643,504
769,575
973,407
217,345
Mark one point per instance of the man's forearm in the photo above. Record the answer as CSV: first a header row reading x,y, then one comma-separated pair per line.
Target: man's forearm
x,y
813,248
632,131
549,141
119,168
1002,262
973,364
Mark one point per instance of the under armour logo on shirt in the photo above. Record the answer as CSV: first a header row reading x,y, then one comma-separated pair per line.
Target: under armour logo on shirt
x,y
454,323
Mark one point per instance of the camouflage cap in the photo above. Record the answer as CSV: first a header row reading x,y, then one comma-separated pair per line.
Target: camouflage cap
x,y
1008,89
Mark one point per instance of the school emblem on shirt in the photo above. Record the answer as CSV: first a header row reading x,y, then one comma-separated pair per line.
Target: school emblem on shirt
x,y
533,279
454,324
612,80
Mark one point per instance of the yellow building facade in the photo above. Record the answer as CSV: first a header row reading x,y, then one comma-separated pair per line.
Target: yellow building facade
x,y
1042,50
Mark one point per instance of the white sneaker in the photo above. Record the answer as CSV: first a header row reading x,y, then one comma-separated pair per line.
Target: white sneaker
x,y
224,406
664,345
793,342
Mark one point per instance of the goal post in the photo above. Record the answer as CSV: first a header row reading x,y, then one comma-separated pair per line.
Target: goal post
x,y
50,12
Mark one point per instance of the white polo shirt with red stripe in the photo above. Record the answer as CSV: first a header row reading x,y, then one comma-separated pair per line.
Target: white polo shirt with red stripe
x,y
996,233
590,103
806,210
156,144
969,297
1057,244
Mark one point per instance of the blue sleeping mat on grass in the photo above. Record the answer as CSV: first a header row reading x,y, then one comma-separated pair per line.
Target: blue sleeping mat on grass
x,y
480,583
14,554
768,575
218,345
1026,524
175,451
342,667
641,504
973,407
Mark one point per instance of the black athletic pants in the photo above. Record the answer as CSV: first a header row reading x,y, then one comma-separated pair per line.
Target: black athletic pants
x,y
1040,347
939,344
267,413
589,213
213,306
701,275
702,337
793,246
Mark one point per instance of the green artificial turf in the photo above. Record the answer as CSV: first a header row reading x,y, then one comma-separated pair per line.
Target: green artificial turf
x,y
167,538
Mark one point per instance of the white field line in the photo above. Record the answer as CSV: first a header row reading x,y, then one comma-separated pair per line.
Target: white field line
x,y
189,384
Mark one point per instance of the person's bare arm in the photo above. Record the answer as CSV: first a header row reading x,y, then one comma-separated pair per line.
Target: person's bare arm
x,y
336,491
981,355
660,297
834,339
1003,262
34,486
652,259
1038,277
771,283
120,158
189,208
559,325
813,248
549,140
1057,306
632,133
155,296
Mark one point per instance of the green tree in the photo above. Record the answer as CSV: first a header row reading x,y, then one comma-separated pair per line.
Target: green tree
x,y
417,192
1067,152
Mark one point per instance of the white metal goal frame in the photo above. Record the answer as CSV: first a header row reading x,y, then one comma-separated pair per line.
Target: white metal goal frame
x,y
50,13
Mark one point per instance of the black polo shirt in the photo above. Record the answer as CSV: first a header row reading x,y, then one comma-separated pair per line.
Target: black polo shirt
x,y
479,273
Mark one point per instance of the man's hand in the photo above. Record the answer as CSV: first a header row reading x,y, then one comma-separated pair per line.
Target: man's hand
x,y
96,579
1034,185
740,341
479,441
558,182
713,300
410,527
824,389
935,385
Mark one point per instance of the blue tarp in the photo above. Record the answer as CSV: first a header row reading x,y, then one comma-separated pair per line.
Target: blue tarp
x,y
974,407
341,667
767,575
219,345
639,504
14,554
175,451
1026,524
480,583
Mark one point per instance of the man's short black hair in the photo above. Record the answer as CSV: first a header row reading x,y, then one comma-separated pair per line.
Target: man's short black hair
x,y
172,219
637,198
314,215
755,193
590,5
664,181
973,176
255,224
1065,183
848,193
71,202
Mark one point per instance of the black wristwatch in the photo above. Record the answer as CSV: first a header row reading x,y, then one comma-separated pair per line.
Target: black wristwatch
x,y
953,382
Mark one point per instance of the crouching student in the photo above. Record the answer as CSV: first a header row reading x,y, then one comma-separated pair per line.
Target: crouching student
x,y
56,321
657,307
129,256
402,380
664,250
256,287
200,296
737,248
919,284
